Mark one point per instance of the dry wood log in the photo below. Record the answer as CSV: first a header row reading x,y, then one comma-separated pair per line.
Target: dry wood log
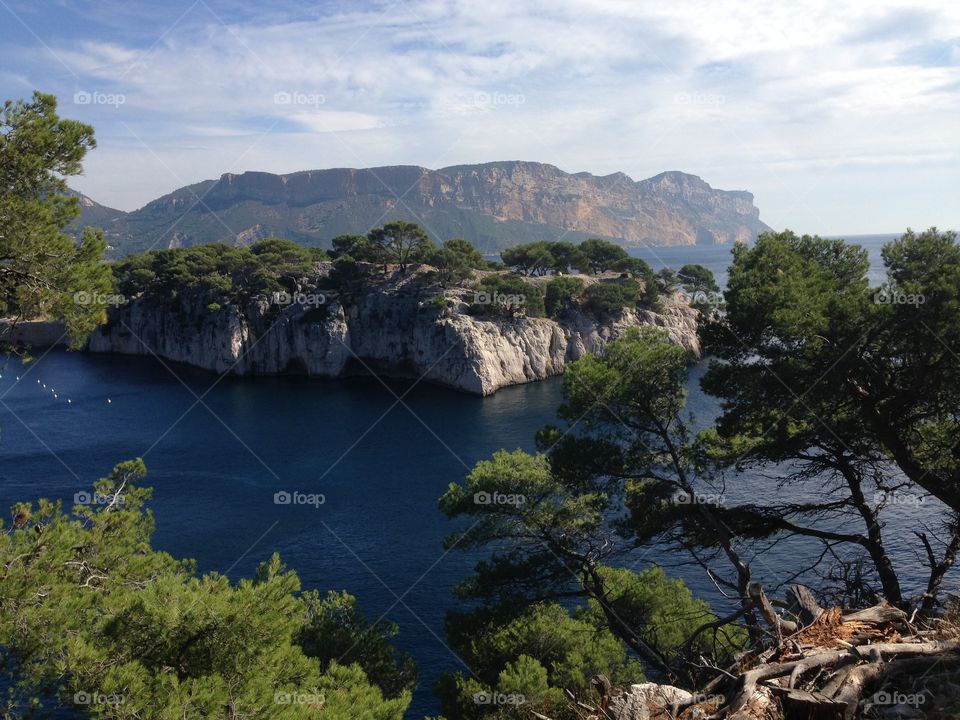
x,y
779,625
877,614
761,705
803,605
827,664
854,684
797,668
803,703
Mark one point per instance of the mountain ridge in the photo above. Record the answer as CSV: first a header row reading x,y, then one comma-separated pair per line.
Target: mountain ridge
x,y
493,205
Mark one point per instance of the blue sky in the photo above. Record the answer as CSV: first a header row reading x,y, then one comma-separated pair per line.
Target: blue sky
x,y
841,117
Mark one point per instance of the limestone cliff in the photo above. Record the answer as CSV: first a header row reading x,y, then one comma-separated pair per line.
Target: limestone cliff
x,y
392,328
493,205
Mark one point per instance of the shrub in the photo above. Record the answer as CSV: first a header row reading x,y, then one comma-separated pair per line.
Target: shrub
x,y
507,295
438,302
559,292
455,261
606,299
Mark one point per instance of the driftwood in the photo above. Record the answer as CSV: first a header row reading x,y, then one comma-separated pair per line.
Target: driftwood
x,y
821,663
839,665
803,605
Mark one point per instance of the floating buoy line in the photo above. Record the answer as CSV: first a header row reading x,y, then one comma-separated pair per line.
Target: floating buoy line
x,y
53,391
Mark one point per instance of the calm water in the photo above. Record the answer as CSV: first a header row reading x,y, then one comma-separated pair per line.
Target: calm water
x,y
381,465
717,257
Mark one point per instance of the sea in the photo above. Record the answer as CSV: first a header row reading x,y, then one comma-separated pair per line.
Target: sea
x,y
374,454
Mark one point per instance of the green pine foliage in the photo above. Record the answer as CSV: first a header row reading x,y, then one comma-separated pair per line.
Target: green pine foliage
x,y
217,273
93,618
507,296
44,273
560,293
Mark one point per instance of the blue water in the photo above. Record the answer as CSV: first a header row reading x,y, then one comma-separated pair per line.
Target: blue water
x,y
717,257
381,464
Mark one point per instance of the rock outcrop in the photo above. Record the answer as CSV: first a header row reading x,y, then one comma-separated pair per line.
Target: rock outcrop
x,y
492,205
392,328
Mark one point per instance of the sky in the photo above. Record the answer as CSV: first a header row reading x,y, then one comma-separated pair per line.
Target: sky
x,y
840,117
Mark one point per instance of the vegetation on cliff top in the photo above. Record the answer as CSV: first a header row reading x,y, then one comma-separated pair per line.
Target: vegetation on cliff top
x,y
219,275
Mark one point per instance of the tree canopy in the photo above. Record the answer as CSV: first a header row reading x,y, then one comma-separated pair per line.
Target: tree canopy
x,y
217,273
456,260
138,633
402,243
855,387
697,278
602,255
44,272
547,519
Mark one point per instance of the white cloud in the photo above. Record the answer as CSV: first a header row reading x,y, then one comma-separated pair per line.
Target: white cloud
x,y
785,99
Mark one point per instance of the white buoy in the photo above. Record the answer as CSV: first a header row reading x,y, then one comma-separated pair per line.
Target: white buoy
x,y
69,401
109,401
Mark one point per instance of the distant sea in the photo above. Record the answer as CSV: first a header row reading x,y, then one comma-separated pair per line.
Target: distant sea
x,y
717,257
380,463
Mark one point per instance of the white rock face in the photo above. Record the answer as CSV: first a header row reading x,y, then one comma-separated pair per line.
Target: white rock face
x,y
646,700
388,330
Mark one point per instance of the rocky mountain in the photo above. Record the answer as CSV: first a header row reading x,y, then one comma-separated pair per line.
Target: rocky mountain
x,y
493,205
95,214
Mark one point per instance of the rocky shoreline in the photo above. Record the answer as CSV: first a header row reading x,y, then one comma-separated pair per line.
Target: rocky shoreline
x,y
393,328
